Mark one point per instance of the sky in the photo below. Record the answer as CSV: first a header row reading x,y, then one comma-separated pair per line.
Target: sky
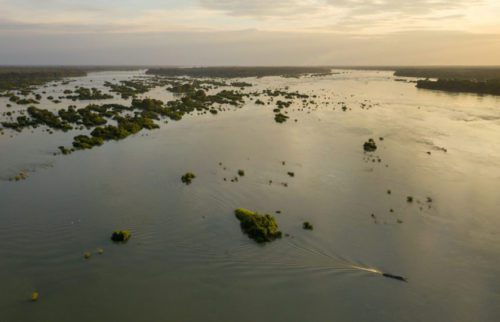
x,y
250,32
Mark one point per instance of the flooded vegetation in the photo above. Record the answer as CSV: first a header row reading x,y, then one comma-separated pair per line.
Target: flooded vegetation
x,y
345,182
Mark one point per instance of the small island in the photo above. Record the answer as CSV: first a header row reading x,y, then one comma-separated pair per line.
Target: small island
x,y
261,228
188,178
121,235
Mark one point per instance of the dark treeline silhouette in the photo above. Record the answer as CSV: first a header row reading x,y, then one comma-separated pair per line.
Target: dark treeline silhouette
x,y
443,72
462,86
23,77
455,73
229,72
15,78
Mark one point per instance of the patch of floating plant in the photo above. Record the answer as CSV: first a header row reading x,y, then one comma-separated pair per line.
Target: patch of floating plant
x,y
121,235
307,226
22,175
35,296
280,118
410,201
188,178
370,145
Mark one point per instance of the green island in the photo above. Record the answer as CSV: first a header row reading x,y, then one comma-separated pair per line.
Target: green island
x,y
307,226
370,146
85,94
261,228
188,177
280,118
121,235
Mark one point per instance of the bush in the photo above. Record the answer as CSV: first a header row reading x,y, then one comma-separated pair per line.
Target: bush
x,y
261,228
121,235
370,146
307,226
188,177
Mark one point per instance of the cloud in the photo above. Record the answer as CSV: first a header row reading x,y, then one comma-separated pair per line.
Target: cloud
x,y
413,7
369,16
266,8
331,16
251,48
263,8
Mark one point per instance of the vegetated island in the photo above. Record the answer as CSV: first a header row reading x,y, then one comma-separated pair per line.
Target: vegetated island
x,y
491,86
261,228
121,235
479,80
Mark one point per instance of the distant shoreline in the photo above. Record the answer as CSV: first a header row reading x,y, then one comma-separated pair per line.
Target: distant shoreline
x,y
458,79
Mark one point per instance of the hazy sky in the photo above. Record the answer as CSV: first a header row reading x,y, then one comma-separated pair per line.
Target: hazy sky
x,y
246,32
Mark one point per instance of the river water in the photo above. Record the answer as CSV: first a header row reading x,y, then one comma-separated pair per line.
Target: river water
x,y
188,260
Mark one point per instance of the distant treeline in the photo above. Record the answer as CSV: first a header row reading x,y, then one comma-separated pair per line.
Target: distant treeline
x,y
455,73
458,79
14,78
230,72
462,86
23,77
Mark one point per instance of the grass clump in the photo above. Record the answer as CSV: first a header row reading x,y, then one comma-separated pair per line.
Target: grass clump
x,y
82,142
188,177
261,228
34,296
307,226
65,150
121,235
20,176
280,118
370,146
